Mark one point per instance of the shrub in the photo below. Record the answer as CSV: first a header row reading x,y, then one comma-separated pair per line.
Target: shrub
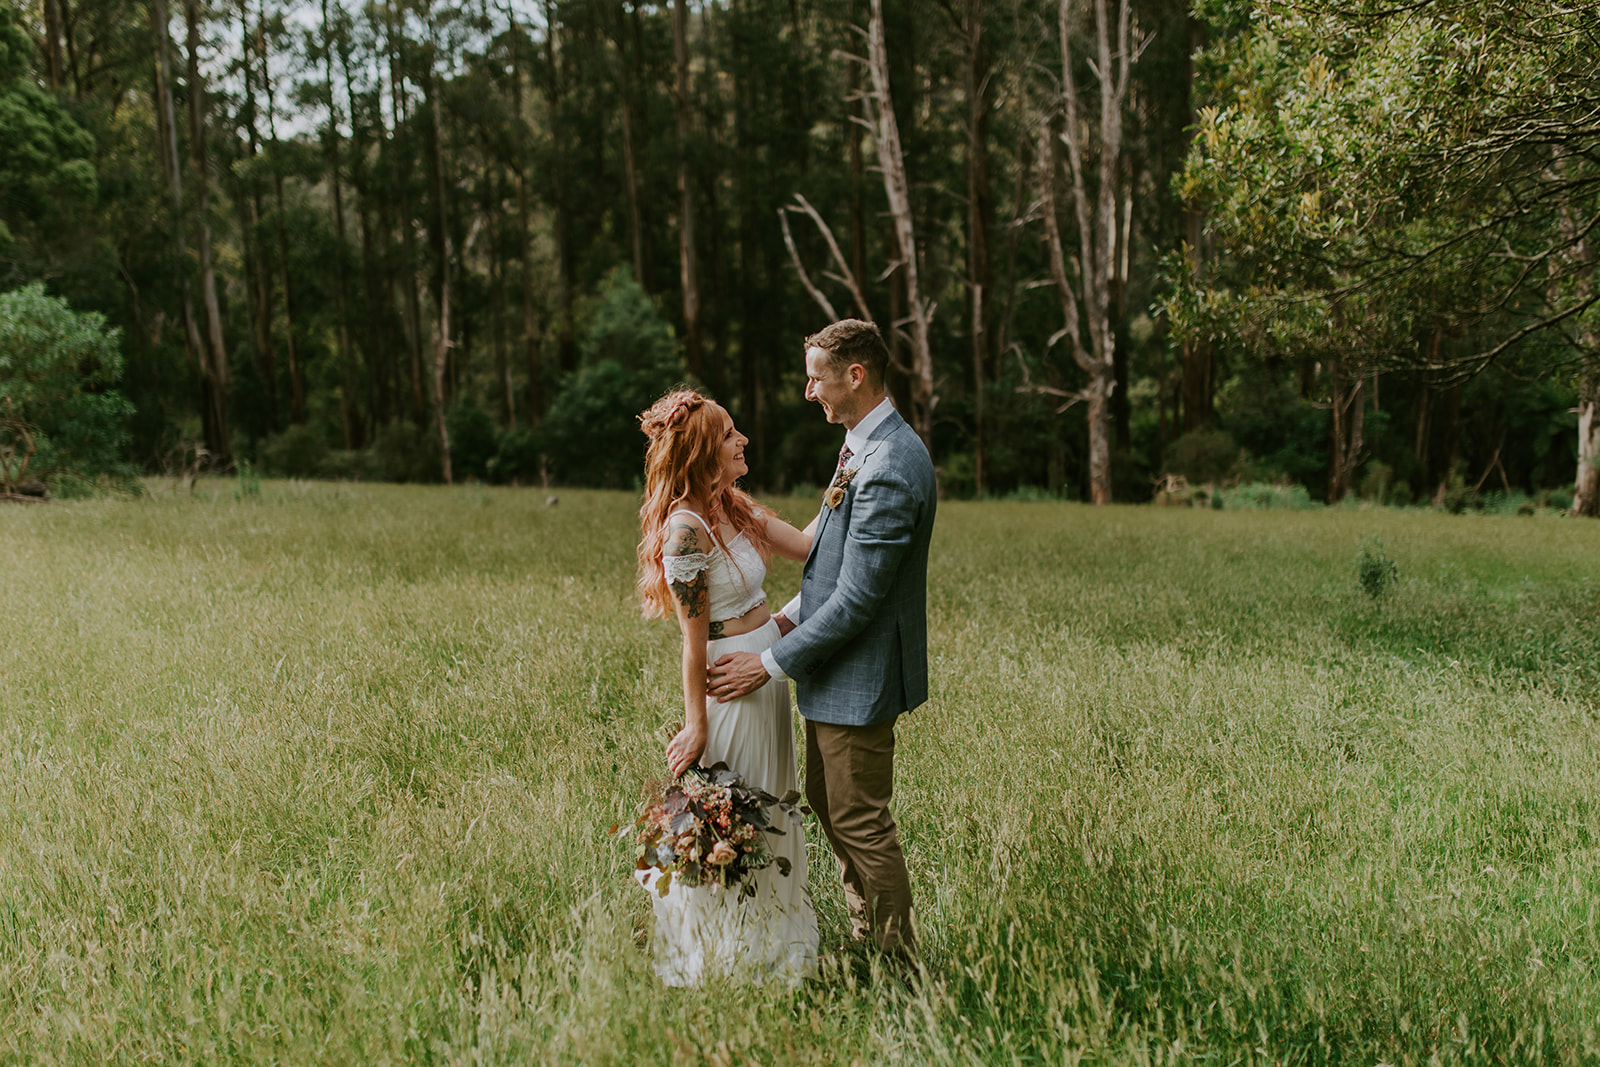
x,y
1374,569
473,440
592,429
1202,456
58,372
1375,485
517,456
297,452
405,452
357,465
249,485
630,358
1260,496
958,476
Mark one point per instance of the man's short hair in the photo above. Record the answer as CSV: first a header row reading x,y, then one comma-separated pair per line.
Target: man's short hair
x,y
853,341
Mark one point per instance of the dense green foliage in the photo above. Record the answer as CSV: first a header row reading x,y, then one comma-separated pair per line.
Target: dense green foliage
x,y
1404,189
1331,209
58,373
325,775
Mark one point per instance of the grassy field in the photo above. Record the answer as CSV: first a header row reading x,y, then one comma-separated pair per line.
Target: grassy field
x,y
326,775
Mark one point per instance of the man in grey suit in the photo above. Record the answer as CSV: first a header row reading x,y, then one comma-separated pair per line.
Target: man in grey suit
x,y
855,640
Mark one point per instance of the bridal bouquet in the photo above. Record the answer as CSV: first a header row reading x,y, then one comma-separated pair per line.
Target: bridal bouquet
x,y
707,828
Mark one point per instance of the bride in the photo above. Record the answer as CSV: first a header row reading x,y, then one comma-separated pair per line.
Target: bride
x,y
703,556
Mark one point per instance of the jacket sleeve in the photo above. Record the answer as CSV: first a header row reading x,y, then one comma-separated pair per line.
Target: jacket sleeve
x,y
883,518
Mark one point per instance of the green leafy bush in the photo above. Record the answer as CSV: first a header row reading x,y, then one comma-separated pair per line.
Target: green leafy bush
x,y
629,359
297,452
1202,456
1375,486
1260,496
517,457
404,452
474,441
1374,569
58,372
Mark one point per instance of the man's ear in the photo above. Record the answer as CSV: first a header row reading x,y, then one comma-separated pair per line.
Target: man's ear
x,y
858,374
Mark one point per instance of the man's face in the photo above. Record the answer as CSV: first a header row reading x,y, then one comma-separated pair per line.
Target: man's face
x,y
831,388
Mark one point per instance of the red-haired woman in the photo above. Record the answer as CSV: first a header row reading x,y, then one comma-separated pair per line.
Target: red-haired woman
x,y
703,556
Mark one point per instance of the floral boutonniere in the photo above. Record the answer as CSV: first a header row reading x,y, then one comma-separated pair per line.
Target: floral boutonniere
x,y
841,481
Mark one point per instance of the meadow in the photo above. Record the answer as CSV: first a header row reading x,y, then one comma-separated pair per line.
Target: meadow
x,y
326,774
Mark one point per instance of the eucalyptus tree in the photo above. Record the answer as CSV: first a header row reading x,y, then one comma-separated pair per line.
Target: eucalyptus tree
x,y
1407,188
1092,136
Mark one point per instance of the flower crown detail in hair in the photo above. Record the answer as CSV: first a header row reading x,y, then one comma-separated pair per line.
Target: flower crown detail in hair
x,y
670,412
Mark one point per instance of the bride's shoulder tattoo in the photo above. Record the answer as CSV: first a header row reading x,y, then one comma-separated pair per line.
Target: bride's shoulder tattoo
x,y
683,539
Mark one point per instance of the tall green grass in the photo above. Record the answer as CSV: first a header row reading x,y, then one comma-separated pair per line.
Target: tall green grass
x,y
324,774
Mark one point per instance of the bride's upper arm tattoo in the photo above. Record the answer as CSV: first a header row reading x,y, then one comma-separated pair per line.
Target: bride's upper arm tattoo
x,y
694,593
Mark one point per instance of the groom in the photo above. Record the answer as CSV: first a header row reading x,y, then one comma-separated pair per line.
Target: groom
x,y
856,638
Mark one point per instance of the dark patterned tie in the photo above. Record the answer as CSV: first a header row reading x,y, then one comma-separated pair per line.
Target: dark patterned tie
x,y
844,455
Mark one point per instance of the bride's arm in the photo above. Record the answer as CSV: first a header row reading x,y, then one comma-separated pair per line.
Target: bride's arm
x,y
786,540
691,600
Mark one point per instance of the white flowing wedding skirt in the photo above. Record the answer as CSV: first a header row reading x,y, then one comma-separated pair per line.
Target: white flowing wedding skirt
x,y
705,931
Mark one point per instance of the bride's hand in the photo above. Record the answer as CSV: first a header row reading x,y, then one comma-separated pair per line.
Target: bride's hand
x,y
685,748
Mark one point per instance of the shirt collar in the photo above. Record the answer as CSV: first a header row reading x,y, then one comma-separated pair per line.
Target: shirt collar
x,y
856,439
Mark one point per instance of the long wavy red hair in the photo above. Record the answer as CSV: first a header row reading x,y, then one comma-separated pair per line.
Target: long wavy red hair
x,y
683,461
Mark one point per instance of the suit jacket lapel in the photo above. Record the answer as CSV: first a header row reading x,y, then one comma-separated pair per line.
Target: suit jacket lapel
x,y
892,422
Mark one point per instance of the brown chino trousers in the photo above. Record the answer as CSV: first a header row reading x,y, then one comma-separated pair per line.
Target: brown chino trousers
x,y
849,779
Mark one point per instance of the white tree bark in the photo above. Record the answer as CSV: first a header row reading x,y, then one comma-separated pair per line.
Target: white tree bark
x,y
1096,142
891,164
1587,500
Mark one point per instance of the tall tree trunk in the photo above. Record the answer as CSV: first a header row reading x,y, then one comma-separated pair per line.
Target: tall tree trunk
x,y
1586,502
54,74
630,168
173,165
258,267
1196,354
441,346
494,198
687,265
379,366
1347,401
891,162
530,330
566,341
214,366
347,394
1098,218
1586,499
753,320
1449,440
405,278
297,382
1019,204
980,210
858,209
1121,406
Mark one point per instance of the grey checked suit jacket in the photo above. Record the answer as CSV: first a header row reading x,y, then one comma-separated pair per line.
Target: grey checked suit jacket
x,y
859,651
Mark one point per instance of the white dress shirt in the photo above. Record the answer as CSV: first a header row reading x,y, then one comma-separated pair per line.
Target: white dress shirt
x,y
855,439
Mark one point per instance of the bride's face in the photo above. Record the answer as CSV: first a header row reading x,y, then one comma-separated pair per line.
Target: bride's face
x,y
732,454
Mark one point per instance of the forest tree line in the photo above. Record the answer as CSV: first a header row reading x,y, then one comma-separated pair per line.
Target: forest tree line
x,y
1343,245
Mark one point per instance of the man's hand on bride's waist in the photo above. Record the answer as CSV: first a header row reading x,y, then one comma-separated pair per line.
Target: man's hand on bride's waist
x,y
735,675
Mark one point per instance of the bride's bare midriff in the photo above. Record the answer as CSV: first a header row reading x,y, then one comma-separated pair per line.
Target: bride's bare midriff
x,y
754,619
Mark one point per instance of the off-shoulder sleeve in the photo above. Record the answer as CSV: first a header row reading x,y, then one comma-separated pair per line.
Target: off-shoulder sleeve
x,y
685,568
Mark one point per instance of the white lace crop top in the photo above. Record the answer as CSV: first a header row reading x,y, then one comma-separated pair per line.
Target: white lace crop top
x,y
733,577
